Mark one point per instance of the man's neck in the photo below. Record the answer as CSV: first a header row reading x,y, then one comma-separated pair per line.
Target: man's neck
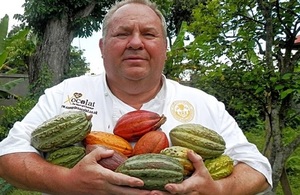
x,y
136,94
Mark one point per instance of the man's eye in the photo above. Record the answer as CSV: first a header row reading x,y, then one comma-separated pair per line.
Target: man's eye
x,y
150,35
122,35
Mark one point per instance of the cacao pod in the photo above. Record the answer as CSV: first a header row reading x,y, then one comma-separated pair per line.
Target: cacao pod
x,y
133,125
180,154
66,157
61,131
205,142
109,140
219,167
111,162
156,170
151,142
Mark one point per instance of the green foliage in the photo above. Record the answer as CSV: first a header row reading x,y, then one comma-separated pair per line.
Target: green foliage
x,y
293,170
78,65
20,51
84,16
292,166
243,53
14,113
8,189
24,192
5,187
43,82
5,44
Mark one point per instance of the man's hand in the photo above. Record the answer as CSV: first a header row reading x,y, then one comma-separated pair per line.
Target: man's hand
x,y
199,183
88,177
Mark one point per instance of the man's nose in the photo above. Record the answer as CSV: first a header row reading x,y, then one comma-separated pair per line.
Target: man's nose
x,y
135,42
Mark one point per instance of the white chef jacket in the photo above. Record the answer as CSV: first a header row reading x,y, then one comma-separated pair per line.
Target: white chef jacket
x,y
179,103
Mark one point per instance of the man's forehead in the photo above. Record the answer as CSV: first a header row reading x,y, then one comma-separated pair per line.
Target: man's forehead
x,y
133,10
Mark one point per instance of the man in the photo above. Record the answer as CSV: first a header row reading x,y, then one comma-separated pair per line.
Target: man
x,y
134,51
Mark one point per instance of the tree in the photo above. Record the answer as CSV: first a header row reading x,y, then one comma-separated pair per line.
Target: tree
x,y
57,23
176,12
246,51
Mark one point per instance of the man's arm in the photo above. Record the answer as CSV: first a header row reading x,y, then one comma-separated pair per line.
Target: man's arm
x,y
244,180
31,172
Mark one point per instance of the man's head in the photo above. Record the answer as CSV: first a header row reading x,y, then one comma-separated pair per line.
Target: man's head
x,y
134,42
122,3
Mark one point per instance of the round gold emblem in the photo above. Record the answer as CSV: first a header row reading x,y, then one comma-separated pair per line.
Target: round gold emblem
x,y
182,111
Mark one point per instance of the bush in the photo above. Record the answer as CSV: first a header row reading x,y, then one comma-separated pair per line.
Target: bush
x,y
14,113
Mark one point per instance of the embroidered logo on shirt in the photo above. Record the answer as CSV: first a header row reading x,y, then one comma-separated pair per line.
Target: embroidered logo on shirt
x,y
76,101
182,111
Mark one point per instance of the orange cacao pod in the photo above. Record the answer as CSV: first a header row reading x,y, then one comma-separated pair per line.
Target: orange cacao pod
x,y
133,125
109,140
111,162
151,142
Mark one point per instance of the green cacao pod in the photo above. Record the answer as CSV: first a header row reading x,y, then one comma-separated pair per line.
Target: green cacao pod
x,y
156,170
219,167
61,131
66,157
205,142
180,154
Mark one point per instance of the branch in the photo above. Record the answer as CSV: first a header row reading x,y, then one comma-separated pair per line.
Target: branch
x,y
261,50
85,11
287,30
247,18
291,147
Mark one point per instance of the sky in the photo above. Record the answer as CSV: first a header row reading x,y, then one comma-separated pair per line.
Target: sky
x,y
89,45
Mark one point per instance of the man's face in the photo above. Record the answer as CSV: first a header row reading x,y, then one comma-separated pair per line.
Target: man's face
x,y
134,47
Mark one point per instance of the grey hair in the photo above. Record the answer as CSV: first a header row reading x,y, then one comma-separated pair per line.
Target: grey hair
x,y
118,5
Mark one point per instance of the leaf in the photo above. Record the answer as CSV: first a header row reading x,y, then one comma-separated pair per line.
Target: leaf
x,y
11,84
3,32
179,41
285,93
287,76
3,57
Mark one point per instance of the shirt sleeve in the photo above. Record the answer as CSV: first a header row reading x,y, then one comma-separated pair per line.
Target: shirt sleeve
x,y
239,148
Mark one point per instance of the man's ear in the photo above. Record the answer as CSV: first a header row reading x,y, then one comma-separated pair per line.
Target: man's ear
x,y
101,45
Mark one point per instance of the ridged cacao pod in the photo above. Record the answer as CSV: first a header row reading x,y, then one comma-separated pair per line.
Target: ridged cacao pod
x,y
133,125
66,157
151,142
109,140
61,131
156,170
180,154
205,142
219,167
111,162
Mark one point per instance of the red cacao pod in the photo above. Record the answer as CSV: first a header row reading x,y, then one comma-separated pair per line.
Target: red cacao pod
x,y
133,125
151,142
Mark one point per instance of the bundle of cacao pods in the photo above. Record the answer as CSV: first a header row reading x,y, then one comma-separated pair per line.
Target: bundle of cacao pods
x,y
207,143
60,135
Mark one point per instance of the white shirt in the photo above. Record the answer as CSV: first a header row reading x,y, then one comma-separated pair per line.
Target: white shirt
x,y
179,103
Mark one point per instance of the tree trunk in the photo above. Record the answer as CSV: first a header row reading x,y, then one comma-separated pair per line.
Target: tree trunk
x,y
52,55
